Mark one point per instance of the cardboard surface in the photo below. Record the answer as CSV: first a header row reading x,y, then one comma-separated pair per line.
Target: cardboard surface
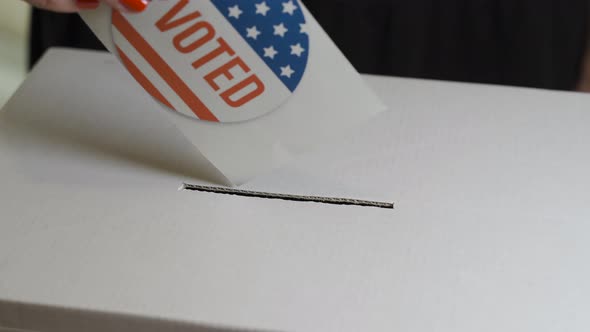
x,y
489,231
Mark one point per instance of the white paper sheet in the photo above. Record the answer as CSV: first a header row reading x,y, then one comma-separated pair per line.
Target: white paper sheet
x,y
330,100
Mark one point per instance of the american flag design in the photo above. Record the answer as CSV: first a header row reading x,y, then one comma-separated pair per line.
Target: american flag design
x,y
276,30
216,60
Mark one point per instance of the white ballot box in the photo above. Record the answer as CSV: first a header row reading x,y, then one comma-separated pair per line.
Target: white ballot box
x,y
100,232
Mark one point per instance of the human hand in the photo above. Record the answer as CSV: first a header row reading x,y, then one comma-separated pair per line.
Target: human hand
x,y
71,6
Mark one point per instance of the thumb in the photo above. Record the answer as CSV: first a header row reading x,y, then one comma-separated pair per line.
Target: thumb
x,y
64,6
70,6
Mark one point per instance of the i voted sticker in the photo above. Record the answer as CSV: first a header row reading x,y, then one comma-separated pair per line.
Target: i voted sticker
x,y
216,60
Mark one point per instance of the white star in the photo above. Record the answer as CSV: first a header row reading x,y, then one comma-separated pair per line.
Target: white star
x,y
304,28
280,30
253,32
297,50
287,71
289,7
262,8
270,52
235,11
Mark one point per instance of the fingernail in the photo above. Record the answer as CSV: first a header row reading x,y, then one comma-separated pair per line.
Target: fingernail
x,y
135,5
87,4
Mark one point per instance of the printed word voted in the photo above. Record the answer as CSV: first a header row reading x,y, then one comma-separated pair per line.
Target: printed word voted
x,y
196,37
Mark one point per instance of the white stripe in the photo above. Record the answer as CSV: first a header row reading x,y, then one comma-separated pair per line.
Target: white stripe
x,y
151,74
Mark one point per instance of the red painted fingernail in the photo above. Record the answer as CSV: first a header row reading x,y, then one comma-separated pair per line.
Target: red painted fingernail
x,y
135,5
87,4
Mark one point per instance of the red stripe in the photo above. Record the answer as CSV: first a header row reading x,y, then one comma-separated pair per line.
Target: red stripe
x,y
142,79
162,68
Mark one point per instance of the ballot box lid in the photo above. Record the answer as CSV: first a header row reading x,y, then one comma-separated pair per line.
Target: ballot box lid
x,y
488,232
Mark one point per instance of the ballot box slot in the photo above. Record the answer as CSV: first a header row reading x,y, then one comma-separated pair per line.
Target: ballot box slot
x,y
288,197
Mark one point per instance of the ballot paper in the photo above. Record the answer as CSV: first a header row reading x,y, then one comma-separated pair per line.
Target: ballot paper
x,y
251,84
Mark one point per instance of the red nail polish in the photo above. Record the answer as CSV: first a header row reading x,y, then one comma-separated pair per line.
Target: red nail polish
x,y
87,4
135,5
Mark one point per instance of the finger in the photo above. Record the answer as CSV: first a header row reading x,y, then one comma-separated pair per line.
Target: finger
x,y
129,5
70,6
64,6
136,5
87,4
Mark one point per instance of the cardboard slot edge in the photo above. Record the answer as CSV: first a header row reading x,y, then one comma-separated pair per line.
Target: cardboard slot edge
x,y
289,197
